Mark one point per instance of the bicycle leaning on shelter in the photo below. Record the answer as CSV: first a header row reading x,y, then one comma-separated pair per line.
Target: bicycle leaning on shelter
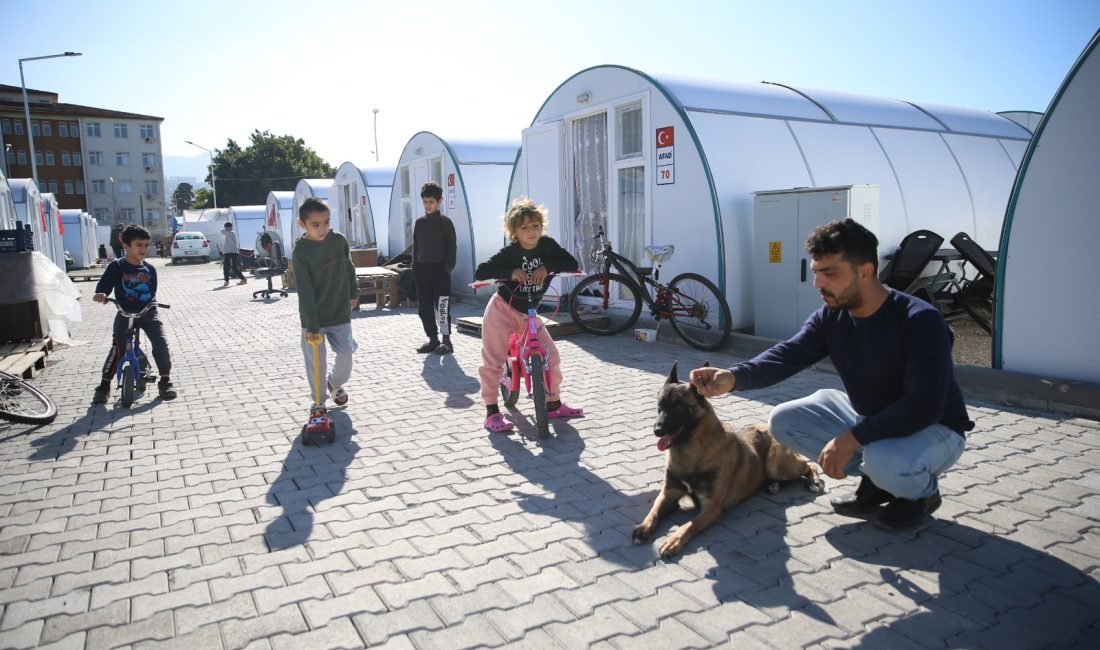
x,y
21,401
133,372
527,362
608,302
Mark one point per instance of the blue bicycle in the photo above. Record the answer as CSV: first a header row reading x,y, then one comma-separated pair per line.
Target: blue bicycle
x,y
133,373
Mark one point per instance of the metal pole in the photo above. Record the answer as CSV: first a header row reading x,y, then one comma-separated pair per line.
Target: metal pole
x,y
375,110
27,106
213,180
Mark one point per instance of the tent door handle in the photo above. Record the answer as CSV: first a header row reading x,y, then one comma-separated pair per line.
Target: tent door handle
x,y
803,269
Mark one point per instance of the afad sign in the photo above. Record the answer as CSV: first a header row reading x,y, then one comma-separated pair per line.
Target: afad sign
x,y
666,156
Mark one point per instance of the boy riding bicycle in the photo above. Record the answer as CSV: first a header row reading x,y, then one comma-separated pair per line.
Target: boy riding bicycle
x,y
134,283
527,262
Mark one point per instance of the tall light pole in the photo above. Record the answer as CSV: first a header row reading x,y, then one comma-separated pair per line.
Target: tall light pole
x,y
27,106
114,199
375,111
213,181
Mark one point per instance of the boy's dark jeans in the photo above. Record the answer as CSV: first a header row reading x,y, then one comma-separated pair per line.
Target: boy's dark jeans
x,y
231,265
154,337
433,283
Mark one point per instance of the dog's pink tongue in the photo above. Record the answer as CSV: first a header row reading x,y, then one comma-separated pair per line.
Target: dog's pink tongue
x,y
664,442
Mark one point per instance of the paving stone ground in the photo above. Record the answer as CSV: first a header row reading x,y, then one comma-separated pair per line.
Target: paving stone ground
x,y
204,522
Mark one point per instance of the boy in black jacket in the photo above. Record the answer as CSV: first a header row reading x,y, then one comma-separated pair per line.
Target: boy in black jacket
x,y
433,255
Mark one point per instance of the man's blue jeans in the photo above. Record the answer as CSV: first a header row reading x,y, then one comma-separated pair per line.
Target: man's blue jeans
x,y
906,467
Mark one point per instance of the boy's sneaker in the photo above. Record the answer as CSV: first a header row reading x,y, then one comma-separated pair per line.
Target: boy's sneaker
x,y
102,392
165,389
430,346
339,395
444,348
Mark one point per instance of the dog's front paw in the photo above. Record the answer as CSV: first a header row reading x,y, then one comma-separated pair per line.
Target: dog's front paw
x,y
642,532
815,485
672,546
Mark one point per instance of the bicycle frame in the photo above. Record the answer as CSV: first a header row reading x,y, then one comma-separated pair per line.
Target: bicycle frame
x,y
133,355
523,348
659,303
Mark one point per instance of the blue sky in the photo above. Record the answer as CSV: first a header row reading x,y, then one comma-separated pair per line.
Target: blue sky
x,y
219,69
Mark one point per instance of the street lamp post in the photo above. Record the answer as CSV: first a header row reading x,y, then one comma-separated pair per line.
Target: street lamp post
x,y
213,181
375,111
27,106
114,200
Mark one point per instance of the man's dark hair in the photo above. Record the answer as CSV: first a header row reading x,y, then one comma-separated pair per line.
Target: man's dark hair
x,y
856,244
310,206
134,232
431,190
229,225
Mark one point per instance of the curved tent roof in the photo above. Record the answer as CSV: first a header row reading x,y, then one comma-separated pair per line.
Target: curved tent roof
x,y
1046,306
284,198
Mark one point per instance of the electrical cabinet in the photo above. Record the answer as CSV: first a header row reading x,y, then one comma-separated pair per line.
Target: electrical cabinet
x,y
783,284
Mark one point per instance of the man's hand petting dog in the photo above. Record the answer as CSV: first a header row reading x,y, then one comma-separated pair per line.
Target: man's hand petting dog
x,y
836,454
711,382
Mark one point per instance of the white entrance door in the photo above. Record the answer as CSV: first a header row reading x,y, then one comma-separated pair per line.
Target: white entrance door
x,y
588,149
542,151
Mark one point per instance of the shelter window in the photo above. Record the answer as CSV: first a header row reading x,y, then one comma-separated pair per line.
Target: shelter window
x,y
68,187
6,126
122,158
63,129
46,130
99,187
150,187
629,132
121,130
437,170
95,157
50,160
80,187
66,159
126,187
405,182
93,129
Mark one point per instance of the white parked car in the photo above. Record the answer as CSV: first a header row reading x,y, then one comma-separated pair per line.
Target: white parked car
x,y
190,245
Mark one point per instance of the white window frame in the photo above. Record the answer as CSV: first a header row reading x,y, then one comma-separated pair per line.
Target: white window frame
x,y
47,130
80,187
76,159
94,130
122,130
149,159
126,186
62,129
148,131
66,158
68,187
99,187
151,187
122,158
95,157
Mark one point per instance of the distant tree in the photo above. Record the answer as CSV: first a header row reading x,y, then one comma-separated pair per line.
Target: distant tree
x,y
204,198
183,196
270,163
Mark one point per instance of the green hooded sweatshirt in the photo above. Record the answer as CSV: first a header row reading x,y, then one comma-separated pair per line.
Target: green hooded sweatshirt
x,y
326,281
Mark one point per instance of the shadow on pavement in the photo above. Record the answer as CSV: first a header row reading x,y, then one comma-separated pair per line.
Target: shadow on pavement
x,y
442,374
62,441
310,474
992,592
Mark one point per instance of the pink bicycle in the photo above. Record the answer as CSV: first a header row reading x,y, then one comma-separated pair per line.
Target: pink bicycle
x,y
527,362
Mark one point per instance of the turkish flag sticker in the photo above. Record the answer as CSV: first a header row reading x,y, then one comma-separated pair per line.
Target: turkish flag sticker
x,y
664,137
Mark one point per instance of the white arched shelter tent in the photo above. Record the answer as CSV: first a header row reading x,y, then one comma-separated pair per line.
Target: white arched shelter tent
x,y
278,210
676,161
317,188
474,176
360,199
1047,303
8,215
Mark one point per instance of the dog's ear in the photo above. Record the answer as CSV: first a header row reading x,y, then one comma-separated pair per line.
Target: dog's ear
x,y
706,364
672,375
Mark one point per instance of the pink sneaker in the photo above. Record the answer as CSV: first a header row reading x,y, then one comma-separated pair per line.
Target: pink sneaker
x,y
565,411
497,423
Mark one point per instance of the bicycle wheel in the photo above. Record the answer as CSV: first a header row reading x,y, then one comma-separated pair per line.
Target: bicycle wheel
x,y
610,302
508,380
129,383
21,401
538,393
700,314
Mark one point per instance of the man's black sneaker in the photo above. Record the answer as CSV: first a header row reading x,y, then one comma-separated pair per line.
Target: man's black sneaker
x,y
430,346
903,514
165,389
866,499
444,348
102,391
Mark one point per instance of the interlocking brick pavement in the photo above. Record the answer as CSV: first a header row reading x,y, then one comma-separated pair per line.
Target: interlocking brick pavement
x,y
205,523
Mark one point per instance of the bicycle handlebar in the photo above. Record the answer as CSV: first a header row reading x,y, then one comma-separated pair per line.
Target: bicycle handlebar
x,y
140,313
480,284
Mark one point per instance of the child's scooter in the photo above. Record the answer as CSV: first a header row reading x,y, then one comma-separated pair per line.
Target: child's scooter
x,y
320,429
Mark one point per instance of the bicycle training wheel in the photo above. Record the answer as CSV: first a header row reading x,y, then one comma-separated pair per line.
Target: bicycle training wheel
x,y
21,401
538,393
129,383
508,380
605,304
700,314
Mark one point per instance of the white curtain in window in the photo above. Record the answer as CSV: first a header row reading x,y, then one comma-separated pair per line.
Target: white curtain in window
x,y
589,185
631,223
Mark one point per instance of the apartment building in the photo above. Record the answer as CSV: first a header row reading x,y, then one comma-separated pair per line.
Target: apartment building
x,y
106,162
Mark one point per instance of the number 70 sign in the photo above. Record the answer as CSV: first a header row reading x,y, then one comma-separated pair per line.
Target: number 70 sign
x,y
666,156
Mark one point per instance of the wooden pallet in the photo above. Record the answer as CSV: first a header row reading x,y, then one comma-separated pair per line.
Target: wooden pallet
x,y
562,325
25,359
83,275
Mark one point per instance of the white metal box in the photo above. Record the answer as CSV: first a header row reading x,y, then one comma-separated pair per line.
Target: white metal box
x,y
783,285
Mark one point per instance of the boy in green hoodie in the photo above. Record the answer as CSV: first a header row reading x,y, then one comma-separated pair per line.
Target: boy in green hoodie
x,y
327,294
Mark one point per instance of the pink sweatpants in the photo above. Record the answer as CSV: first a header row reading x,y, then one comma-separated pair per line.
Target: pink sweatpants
x,y
499,322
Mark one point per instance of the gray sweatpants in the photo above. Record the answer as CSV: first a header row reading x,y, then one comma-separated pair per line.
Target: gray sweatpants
x,y
344,345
